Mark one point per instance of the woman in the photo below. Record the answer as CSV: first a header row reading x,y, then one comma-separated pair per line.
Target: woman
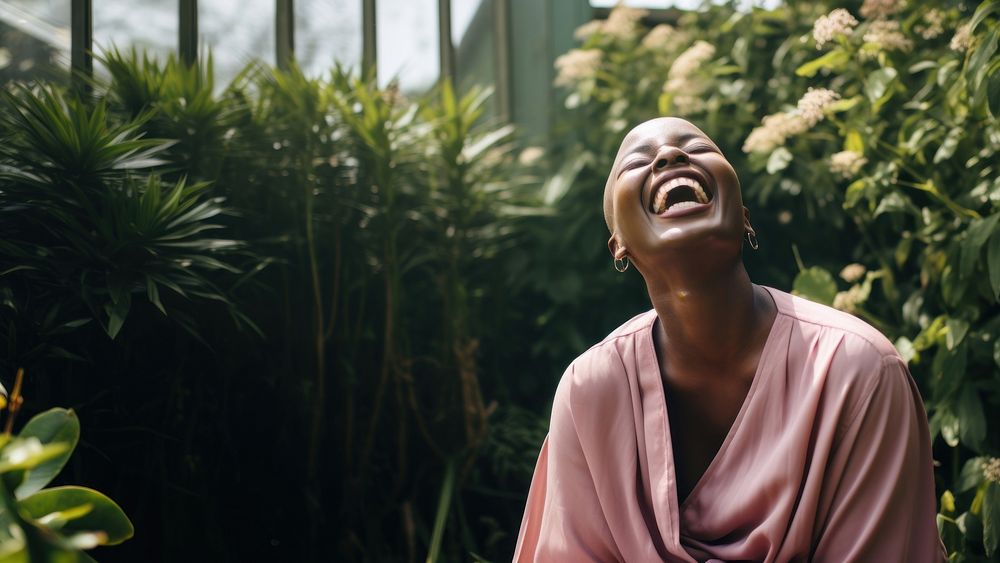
x,y
733,421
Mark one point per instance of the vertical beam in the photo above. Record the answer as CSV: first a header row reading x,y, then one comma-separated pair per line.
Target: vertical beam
x,y
501,51
446,48
284,29
187,31
81,38
368,44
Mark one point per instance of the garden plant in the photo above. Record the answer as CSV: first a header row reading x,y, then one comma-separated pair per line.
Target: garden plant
x,y
322,310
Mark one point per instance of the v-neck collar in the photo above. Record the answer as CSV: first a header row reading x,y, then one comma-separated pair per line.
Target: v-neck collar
x,y
666,474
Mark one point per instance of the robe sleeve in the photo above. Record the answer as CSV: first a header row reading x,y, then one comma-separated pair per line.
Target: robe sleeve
x,y
563,519
880,481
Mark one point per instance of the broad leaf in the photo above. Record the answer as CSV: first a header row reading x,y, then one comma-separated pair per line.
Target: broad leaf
x,y
52,426
103,516
816,284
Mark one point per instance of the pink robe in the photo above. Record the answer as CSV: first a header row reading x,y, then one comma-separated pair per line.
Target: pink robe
x,y
829,458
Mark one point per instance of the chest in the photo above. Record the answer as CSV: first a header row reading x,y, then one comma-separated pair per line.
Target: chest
x,y
700,420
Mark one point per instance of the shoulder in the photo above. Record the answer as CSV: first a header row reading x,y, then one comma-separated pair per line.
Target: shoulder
x,y
859,362
856,339
599,375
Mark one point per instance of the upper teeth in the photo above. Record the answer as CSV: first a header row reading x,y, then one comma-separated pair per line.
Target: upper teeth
x,y
660,200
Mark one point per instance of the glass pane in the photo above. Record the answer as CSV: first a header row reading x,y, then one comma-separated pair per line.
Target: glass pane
x,y
237,33
327,31
475,50
34,39
407,43
146,25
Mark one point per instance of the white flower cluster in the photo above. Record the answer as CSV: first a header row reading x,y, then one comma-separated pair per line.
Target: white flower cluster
x,y
932,24
773,131
623,22
962,39
776,128
661,37
812,106
991,470
847,164
835,24
887,35
586,30
848,301
680,78
853,272
880,8
577,66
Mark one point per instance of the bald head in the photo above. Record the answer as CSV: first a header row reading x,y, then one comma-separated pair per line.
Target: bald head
x,y
646,138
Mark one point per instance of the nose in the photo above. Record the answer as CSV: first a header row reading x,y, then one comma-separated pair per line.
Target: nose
x,y
669,156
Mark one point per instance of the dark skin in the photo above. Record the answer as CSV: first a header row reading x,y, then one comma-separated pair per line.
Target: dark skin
x,y
712,321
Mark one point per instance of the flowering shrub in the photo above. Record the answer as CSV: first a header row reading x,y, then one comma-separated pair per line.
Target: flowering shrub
x,y
875,127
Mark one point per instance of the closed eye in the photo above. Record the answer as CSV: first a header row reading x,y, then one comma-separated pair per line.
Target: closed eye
x,y
632,165
699,147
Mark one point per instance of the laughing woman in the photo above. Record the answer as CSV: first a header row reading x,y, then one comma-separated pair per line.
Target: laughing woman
x,y
732,421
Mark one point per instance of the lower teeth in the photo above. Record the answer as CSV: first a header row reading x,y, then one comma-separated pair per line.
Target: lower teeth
x,y
683,205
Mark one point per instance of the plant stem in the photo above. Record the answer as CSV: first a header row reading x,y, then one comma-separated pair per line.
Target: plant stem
x,y
441,519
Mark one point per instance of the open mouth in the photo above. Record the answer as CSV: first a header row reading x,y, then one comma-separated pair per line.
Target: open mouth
x,y
679,193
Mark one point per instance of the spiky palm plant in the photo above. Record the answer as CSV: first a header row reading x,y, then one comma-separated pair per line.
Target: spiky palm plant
x,y
87,222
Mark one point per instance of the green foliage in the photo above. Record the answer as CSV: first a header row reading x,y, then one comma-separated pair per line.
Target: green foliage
x,y
52,524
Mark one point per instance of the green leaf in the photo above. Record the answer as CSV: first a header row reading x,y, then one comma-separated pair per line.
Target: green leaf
x,y
971,420
948,146
853,142
877,83
993,263
815,284
778,160
52,426
834,60
104,516
28,453
971,476
957,329
991,518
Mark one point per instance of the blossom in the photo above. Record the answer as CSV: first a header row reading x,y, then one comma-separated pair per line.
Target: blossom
x,y
583,32
814,103
680,82
660,37
852,272
577,65
623,22
847,164
887,35
530,155
835,24
848,301
880,8
688,62
773,132
932,25
962,39
991,470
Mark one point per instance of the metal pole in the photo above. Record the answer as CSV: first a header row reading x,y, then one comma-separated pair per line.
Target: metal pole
x,y
81,38
284,26
368,43
501,48
445,45
187,31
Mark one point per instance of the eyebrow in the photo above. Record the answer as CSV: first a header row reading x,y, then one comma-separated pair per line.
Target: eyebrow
x,y
651,147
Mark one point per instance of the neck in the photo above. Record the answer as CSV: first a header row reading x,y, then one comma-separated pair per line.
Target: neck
x,y
708,322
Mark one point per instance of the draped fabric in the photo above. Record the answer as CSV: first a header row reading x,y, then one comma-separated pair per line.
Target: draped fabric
x,y
829,458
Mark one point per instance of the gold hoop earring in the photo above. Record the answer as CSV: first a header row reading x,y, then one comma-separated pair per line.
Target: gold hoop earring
x,y
752,239
621,264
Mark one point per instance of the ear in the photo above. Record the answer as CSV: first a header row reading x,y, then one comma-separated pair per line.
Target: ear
x,y
617,250
747,227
